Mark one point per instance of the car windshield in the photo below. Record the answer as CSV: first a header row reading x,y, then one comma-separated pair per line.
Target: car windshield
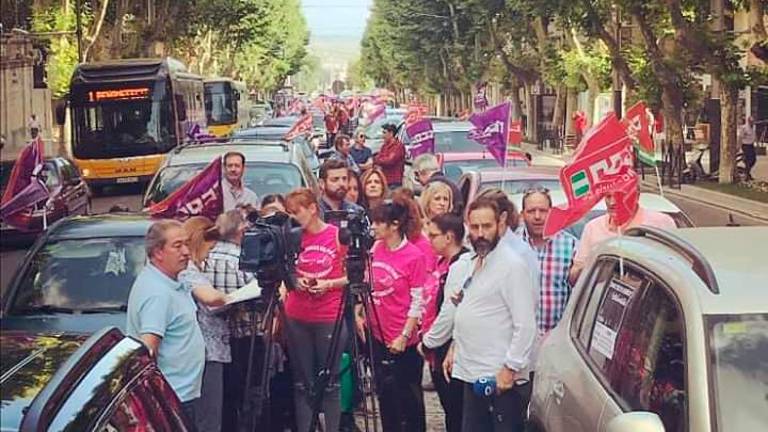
x,y
454,170
518,186
455,142
738,353
72,276
261,177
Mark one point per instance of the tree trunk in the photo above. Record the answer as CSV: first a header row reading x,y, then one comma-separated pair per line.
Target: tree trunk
x,y
571,107
558,114
529,115
757,20
593,91
97,30
116,48
514,98
729,97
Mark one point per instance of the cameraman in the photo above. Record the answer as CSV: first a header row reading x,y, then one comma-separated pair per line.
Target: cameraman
x,y
399,274
312,310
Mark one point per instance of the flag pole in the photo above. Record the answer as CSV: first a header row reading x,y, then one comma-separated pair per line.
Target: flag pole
x,y
45,215
658,180
621,257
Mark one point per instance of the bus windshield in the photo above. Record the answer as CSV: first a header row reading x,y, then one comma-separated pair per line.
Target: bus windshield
x,y
122,122
220,106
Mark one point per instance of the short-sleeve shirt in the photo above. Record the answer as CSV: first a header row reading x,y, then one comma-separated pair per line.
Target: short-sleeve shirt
x,y
396,273
215,327
321,257
361,155
164,307
599,230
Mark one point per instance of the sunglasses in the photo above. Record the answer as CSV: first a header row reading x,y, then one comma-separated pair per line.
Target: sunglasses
x,y
536,189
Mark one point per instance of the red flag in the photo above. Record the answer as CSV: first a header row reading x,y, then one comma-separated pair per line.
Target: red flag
x,y
303,125
515,132
319,103
25,188
199,196
414,113
602,164
638,127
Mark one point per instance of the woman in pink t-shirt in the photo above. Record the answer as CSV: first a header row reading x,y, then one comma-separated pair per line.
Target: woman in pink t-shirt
x,y
399,273
312,310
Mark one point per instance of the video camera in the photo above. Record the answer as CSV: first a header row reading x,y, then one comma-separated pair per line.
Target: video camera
x,y
269,249
355,233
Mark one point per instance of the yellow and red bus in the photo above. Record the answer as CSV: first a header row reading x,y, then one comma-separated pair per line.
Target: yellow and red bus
x,y
227,106
127,114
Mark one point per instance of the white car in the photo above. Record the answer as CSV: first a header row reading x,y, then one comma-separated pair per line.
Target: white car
x,y
648,201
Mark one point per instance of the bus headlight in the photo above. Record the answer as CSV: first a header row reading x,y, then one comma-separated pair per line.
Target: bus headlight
x,y
86,172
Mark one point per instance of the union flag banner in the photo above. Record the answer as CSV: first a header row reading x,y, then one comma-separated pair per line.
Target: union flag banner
x,y
25,187
199,196
637,125
302,126
602,164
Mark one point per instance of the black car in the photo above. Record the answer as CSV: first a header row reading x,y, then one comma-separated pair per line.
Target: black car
x,y
69,195
77,276
108,382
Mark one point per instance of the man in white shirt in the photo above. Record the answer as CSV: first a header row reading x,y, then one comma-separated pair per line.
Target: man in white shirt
x,y
235,193
747,136
494,325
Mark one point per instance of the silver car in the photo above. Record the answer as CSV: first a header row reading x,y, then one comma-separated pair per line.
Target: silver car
x,y
664,332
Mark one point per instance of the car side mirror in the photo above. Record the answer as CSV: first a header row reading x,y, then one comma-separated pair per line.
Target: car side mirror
x,y
639,421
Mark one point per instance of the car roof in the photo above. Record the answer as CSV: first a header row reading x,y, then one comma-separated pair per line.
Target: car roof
x,y
103,225
650,201
452,126
520,173
472,156
27,357
732,275
268,151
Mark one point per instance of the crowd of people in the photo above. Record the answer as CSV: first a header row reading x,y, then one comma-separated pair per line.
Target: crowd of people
x,y
470,289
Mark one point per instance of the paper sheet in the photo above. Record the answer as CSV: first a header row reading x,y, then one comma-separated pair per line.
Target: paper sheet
x,y
247,292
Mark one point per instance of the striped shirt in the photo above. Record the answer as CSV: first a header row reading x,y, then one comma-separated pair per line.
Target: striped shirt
x,y
222,268
555,261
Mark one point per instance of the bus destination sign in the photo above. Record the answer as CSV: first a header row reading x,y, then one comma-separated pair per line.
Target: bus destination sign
x,y
118,94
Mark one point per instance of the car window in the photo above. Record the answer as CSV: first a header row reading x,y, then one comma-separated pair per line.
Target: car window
x,y
464,187
70,276
51,175
513,187
453,171
455,142
636,343
589,299
145,408
264,178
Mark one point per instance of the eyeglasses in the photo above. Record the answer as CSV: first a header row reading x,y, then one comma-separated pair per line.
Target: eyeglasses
x,y
536,189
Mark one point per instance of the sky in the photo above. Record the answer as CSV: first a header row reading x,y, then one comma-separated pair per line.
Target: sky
x,y
336,18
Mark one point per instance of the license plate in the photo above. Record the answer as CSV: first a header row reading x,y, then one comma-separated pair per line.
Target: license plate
x,y
127,180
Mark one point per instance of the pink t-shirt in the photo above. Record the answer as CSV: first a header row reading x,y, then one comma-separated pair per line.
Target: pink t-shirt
x,y
395,274
321,257
599,230
431,294
425,246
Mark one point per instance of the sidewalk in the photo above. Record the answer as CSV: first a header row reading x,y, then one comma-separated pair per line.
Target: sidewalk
x,y
731,203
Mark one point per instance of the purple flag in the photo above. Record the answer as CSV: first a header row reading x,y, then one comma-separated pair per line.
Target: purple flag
x,y
199,196
422,137
25,188
491,129
198,134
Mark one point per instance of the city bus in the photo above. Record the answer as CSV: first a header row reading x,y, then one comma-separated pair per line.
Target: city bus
x,y
227,106
127,114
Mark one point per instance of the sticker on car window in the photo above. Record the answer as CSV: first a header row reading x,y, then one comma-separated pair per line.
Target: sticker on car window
x,y
610,317
115,262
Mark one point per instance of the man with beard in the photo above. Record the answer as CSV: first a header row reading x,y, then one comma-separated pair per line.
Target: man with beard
x,y
494,326
334,180
236,194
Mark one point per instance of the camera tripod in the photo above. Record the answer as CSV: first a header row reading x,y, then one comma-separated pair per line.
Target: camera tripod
x,y
353,292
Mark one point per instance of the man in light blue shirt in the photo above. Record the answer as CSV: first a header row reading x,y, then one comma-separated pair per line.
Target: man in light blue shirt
x,y
162,313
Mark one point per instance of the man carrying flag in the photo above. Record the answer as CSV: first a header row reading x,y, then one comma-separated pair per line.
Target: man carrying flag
x,y
491,129
26,187
199,196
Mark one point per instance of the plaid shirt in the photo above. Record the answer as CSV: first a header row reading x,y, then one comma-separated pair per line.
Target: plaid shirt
x,y
222,268
555,259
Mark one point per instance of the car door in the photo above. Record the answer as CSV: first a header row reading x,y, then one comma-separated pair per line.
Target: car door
x,y
628,338
74,187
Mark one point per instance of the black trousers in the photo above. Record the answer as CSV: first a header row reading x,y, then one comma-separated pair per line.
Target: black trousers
x,y
750,157
398,384
188,408
451,393
500,413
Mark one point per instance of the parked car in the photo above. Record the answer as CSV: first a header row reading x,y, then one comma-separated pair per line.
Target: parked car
x,y
664,331
512,181
648,201
269,168
77,276
69,195
108,382
454,165
275,134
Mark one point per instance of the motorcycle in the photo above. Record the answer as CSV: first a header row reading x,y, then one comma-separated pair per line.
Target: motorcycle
x,y
695,171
